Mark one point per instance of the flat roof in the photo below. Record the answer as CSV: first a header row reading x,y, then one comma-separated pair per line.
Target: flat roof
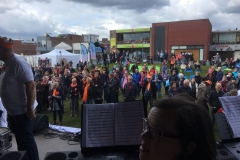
x,y
228,31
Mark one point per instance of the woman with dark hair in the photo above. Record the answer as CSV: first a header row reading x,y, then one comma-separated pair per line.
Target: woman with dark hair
x,y
177,129
173,90
55,97
165,79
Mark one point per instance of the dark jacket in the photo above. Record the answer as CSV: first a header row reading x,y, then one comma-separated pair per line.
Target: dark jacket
x,y
130,91
74,91
184,89
112,86
97,81
198,79
58,98
214,98
213,79
133,68
40,90
175,69
231,86
153,89
66,80
172,92
90,92
173,78
219,76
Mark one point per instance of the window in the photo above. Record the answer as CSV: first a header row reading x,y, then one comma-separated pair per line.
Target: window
x,y
238,37
133,36
182,47
222,37
138,36
215,37
199,47
127,37
145,36
70,37
175,47
230,37
190,47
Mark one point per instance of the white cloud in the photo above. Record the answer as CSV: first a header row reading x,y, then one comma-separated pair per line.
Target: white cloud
x,y
31,18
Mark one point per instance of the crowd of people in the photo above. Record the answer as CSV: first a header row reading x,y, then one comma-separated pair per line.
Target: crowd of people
x,y
84,85
102,85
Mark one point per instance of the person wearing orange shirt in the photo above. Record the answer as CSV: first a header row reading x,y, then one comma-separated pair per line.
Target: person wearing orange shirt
x,y
149,93
172,61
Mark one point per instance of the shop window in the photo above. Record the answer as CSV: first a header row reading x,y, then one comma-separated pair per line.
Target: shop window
x,y
238,37
222,37
215,37
199,47
230,37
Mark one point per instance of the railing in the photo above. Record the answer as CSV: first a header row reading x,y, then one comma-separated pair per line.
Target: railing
x,y
133,41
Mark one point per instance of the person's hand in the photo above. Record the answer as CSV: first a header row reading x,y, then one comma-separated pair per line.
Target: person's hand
x,y
31,114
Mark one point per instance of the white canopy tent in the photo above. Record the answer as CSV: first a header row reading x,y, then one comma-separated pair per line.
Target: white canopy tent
x,y
57,55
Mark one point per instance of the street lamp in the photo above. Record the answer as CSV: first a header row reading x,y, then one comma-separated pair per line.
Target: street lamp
x,y
47,34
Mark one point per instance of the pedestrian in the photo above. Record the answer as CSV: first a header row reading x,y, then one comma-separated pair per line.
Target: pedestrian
x,y
18,93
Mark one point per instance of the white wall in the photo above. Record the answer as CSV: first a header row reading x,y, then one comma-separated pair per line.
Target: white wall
x,y
76,49
236,55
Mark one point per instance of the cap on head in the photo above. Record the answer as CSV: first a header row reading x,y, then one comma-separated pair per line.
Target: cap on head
x,y
208,82
6,43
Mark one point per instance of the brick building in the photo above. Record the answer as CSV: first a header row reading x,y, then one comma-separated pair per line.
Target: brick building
x,y
192,36
47,43
24,47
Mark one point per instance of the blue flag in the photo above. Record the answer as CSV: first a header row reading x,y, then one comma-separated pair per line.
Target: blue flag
x,y
84,53
92,50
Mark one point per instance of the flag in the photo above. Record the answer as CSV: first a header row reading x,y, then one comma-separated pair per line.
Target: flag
x,y
84,53
92,51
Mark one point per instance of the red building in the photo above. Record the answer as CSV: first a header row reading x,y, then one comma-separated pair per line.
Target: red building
x,y
24,47
192,36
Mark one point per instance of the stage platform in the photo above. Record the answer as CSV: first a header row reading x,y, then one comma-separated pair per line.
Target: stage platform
x,y
49,145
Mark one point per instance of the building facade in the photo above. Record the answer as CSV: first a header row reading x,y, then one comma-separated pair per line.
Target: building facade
x,y
47,43
24,47
226,43
136,41
191,36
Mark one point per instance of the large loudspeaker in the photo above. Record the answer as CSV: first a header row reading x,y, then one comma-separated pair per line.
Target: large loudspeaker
x,y
224,154
64,155
13,155
41,121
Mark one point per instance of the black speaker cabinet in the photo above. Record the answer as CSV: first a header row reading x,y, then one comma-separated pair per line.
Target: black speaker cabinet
x,y
13,155
41,121
224,154
64,155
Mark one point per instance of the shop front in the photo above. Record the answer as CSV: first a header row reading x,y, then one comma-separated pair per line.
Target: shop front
x,y
137,51
196,51
225,51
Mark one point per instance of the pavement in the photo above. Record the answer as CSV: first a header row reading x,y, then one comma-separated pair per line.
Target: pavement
x,y
49,145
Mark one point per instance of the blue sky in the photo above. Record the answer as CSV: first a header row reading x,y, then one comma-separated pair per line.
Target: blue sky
x,y
28,19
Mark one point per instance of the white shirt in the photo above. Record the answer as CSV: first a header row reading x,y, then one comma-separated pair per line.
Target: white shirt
x,y
12,85
3,119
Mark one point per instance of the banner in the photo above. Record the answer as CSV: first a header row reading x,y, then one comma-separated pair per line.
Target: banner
x,y
113,42
92,51
84,53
